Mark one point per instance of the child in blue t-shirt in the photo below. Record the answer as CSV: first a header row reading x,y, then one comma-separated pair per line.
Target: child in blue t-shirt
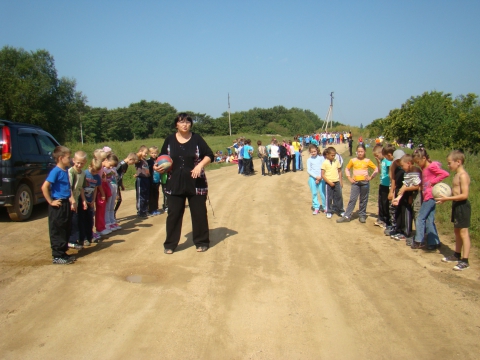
x,y
56,190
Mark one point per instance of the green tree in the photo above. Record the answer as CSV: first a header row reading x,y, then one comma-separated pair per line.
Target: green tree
x,y
31,92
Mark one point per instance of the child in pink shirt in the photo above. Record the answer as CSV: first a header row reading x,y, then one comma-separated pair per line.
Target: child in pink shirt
x,y
432,173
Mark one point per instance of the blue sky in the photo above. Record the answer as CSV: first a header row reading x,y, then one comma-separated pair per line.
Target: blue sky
x,y
373,54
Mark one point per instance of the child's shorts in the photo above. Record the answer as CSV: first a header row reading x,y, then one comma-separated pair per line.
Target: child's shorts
x,y
461,213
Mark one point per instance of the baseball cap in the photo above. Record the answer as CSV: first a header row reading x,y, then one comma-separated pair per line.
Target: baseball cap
x,y
397,154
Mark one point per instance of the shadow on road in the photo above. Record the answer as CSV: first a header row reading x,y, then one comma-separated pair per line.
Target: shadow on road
x,y
217,235
102,245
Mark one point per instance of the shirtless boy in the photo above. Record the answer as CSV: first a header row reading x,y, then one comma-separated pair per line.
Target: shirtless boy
x,y
461,210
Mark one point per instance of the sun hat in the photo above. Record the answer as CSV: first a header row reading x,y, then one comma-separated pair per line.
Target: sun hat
x,y
397,154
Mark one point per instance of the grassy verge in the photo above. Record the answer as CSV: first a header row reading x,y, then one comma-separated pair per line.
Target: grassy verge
x,y
443,211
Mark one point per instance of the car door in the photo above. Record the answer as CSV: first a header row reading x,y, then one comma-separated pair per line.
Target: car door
x,y
31,162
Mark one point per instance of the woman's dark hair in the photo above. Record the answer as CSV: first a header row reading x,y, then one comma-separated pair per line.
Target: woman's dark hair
x,y
183,116
362,146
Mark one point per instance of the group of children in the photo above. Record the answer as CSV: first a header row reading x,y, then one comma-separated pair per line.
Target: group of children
x,y
404,195
81,200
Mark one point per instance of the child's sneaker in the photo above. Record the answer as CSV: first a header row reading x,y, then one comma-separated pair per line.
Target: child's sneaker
x,y
379,223
389,230
86,243
409,241
105,232
329,215
112,227
96,237
462,265
417,245
315,212
62,261
451,258
343,219
71,257
400,237
118,226
75,246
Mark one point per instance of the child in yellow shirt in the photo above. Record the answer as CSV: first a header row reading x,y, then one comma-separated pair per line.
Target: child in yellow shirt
x,y
360,180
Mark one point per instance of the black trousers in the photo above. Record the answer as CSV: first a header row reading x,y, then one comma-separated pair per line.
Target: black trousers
x,y
334,198
247,166
119,200
383,204
81,224
59,228
153,197
404,218
198,212
142,186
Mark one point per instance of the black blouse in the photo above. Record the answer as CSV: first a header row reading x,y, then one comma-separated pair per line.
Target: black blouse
x,y
185,157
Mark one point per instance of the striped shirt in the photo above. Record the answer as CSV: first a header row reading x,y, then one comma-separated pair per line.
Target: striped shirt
x,y
360,168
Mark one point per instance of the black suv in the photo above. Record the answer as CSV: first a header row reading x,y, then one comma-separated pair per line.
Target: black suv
x,y
26,161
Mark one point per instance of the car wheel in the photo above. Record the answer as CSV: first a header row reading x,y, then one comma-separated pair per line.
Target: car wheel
x,y
23,206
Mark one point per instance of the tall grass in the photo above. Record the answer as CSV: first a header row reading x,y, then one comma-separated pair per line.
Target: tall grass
x,y
443,211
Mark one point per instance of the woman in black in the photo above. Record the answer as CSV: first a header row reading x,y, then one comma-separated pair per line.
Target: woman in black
x,y
187,180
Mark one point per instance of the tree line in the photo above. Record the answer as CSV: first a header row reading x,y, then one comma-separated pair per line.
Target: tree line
x,y
32,92
434,119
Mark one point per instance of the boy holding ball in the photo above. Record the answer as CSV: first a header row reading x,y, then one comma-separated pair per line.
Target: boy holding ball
x,y
461,210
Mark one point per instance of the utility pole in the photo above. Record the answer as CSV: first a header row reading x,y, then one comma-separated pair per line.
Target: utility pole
x,y
329,117
229,122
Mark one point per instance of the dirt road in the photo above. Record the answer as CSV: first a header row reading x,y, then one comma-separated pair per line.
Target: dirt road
x,y
277,283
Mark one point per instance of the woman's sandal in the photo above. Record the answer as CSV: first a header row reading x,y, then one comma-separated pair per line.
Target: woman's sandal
x,y
202,248
168,251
